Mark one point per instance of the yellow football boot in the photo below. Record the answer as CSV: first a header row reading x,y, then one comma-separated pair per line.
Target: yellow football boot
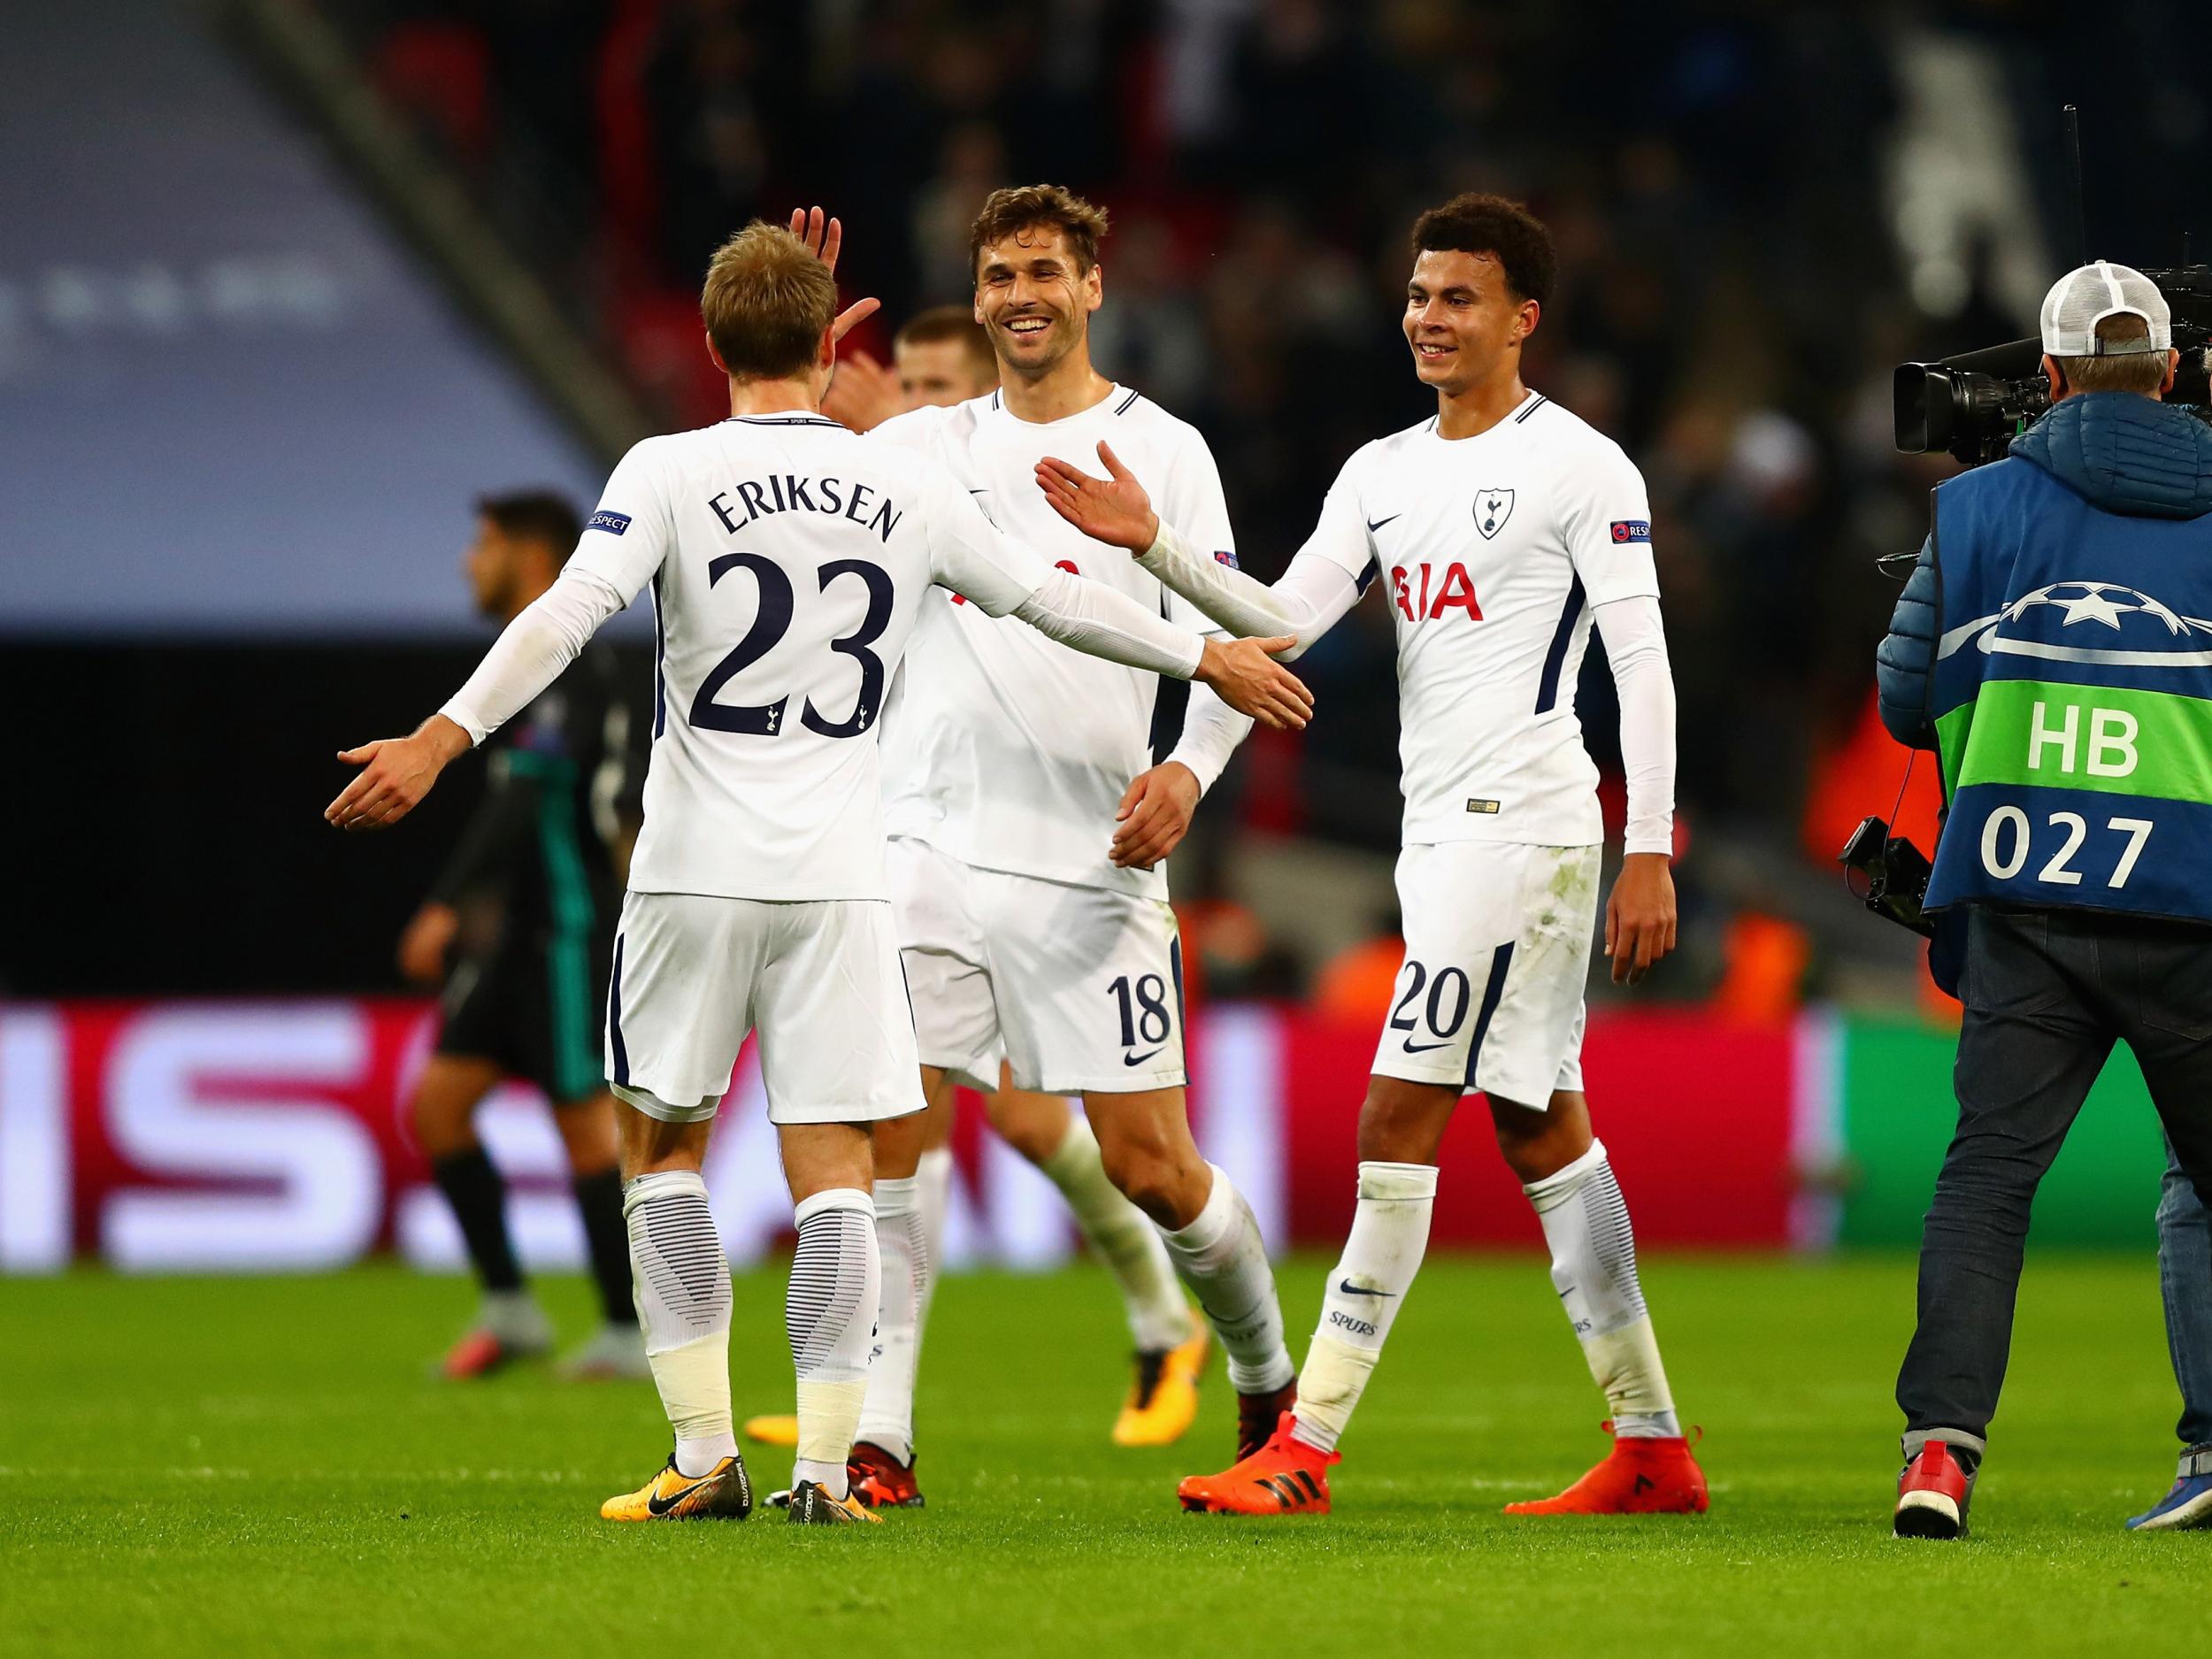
x,y
725,1492
808,1505
772,1431
1164,1400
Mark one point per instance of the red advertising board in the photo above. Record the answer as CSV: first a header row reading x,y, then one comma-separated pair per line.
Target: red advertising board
x,y
270,1135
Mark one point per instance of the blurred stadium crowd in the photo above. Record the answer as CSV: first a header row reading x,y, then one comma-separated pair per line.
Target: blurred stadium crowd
x,y
1759,208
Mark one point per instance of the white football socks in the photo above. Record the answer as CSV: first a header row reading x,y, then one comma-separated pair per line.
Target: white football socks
x,y
680,1281
830,1316
1593,1268
1223,1259
933,1185
1123,1238
1382,1253
904,1246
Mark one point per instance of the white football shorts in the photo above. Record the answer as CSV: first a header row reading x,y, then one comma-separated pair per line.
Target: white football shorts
x,y
820,981
1490,997
1080,990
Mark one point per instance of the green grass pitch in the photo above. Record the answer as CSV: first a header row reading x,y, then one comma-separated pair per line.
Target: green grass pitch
x,y
225,1467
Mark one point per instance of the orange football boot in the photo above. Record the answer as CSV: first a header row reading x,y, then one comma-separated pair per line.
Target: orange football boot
x,y
1283,1477
1638,1476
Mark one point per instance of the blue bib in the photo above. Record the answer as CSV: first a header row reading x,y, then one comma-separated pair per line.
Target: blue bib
x,y
2072,699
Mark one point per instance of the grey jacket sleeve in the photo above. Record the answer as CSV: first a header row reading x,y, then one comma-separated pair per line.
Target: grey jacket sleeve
x,y
1905,657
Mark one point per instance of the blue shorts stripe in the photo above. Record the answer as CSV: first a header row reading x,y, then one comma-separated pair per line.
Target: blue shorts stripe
x,y
1493,989
614,1019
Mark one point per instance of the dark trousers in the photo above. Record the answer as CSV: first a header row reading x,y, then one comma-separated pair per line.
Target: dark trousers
x,y
2047,993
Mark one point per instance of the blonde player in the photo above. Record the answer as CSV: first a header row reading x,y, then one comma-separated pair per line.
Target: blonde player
x,y
942,357
788,562
1501,529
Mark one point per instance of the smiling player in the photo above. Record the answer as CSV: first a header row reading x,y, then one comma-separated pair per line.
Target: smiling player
x,y
1502,527
1026,931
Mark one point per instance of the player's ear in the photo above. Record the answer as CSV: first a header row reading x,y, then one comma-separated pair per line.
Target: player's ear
x,y
1532,313
1095,287
714,356
826,352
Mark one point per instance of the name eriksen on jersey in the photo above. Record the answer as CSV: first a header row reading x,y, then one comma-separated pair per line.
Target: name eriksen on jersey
x,y
789,492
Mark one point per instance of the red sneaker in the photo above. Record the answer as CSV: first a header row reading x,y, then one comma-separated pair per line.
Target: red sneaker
x,y
1638,1476
1257,1416
1933,1494
880,1480
480,1354
1281,1476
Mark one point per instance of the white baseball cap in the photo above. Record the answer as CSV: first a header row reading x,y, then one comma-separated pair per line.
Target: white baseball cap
x,y
2083,298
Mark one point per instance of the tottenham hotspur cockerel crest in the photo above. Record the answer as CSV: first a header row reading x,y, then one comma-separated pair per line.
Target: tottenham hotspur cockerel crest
x,y
1493,507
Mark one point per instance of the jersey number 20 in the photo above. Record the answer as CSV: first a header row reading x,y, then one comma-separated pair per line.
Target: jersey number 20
x,y
771,622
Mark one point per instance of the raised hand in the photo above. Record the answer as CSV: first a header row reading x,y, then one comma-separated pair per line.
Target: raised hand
x,y
1154,815
1249,680
1640,918
824,238
1114,510
395,773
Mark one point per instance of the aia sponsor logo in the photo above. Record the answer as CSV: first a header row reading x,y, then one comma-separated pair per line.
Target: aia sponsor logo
x,y
1426,591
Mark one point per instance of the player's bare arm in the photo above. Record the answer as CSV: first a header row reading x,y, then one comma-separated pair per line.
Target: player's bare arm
x,y
395,773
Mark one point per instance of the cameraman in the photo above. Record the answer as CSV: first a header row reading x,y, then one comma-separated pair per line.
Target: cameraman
x,y
2044,648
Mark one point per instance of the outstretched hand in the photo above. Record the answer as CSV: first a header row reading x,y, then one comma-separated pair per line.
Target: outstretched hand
x,y
1114,510
824,238
1246,676
395,773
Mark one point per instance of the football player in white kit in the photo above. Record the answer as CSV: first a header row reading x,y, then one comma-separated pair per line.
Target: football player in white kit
x,y
789,561
1026,931
941,359
1501,529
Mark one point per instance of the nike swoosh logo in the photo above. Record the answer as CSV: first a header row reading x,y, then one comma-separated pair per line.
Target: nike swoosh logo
x,y
1422,1047
1377,524
978,492
1139,1059
658,1505
1350,1289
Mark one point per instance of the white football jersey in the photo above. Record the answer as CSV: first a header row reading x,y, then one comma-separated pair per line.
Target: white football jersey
x,y
789,560
1004,750
1492,551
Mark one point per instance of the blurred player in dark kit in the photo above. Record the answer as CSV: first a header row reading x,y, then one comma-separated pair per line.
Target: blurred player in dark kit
x,y
519,929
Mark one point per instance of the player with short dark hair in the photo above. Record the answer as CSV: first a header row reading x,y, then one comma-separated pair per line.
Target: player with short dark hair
x,y
1503,528
517,928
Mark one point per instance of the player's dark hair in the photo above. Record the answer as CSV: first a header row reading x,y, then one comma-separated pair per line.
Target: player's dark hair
x,y
544,516
1505,230
957,324
1019,208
